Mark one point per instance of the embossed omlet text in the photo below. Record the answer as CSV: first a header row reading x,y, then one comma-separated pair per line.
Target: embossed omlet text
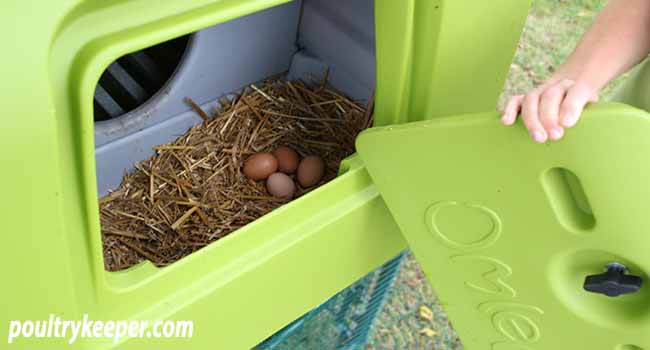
x,y
449,222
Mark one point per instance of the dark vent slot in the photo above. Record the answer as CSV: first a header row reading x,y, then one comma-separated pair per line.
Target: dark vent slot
x,y
130,81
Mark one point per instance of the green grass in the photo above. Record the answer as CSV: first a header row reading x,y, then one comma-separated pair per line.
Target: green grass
x,y
553,29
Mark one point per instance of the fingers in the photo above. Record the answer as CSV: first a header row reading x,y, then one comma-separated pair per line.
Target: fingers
x,y
530,116
575,101
512,110
549,108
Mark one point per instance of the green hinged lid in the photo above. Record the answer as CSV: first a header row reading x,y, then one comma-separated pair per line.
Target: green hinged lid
x,y
507,230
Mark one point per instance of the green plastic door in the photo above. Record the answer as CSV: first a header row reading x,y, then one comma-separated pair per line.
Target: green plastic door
x,y
507,230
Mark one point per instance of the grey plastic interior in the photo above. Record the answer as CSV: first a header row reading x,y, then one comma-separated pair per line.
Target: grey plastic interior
x,y
304,38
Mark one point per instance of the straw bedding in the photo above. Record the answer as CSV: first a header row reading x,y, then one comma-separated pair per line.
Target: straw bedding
x,y
192,192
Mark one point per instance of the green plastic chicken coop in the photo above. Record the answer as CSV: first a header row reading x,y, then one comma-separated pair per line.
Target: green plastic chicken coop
x,y
505,230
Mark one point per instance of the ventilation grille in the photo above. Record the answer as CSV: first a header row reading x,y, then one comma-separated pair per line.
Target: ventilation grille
x,y
130,81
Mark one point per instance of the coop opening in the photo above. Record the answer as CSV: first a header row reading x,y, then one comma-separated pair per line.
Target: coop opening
x,y
255,112
132,80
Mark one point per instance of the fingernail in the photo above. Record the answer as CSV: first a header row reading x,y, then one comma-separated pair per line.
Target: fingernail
x,y
504,119
539,136
569,120
556,133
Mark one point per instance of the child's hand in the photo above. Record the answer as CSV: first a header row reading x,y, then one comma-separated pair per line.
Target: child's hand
x,y
550,108
618,40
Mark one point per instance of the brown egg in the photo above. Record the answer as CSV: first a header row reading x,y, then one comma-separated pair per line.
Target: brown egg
x,y
280,185
260,166
287,159
311,171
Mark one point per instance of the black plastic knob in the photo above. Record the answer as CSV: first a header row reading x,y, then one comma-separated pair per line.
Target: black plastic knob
x,y
614,282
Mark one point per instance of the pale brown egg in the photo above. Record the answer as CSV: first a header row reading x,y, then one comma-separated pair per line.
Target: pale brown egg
x,y
280,185
311,171
260,166
287,159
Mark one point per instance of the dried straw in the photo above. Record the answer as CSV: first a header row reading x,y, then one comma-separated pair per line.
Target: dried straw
x,y
192,191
